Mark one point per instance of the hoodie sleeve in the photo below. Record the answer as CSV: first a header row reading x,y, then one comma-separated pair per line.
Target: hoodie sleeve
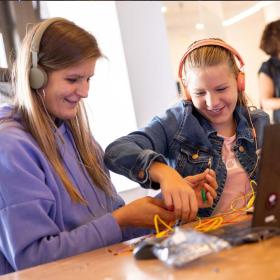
x,y
32,225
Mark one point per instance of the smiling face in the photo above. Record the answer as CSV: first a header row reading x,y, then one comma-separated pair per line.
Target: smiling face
x,y
213,90
66,87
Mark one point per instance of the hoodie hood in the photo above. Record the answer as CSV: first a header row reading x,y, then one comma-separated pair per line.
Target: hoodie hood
x,y
6,110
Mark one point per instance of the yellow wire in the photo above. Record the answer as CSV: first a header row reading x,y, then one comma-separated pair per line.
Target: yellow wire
x,y
159,233
156,224
250,201
214,222
210,224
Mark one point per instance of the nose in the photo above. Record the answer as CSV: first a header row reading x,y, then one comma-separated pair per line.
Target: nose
x,y
83,89
212,100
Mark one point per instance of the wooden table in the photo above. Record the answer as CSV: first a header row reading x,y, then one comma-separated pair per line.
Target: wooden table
x,y
252,261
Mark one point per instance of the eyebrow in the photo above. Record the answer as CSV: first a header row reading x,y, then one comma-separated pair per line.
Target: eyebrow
x,y
220,85
198,89
79,76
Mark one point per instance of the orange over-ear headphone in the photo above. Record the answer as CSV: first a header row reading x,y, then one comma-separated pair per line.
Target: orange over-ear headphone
x,y
214,42
240,77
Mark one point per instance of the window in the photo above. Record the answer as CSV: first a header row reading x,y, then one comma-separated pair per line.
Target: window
x,y
3,58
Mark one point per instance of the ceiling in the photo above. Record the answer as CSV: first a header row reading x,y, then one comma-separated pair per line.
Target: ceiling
x,y
182,14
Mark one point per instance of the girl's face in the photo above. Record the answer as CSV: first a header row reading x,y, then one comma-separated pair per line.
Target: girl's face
x,y
213,91
66,87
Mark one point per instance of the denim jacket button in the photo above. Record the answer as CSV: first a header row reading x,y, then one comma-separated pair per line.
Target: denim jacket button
x,y
195,156
141,175
241,149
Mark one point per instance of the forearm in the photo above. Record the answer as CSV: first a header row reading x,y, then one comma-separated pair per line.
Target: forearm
x,y
44,242
271,103
132,161
160,171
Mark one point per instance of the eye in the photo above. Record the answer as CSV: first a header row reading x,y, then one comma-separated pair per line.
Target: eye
x,y
199,93
71,80
221,89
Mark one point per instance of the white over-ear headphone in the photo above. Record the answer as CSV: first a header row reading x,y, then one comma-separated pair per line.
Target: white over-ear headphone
x,y
37,76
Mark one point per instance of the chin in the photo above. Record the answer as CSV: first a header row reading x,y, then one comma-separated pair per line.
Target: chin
x,y
67,117
70,117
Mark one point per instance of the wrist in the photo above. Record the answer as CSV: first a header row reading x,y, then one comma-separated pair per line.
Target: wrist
x,y
120,216
158,171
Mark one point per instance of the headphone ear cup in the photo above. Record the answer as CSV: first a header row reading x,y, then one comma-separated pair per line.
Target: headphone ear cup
x,y
186,94
37,78
241,81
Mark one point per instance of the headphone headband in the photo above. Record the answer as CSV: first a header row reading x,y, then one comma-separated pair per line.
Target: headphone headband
x,y
35,44
208,42
37,76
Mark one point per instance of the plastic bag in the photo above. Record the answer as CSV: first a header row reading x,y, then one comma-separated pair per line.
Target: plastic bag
x,y
186,245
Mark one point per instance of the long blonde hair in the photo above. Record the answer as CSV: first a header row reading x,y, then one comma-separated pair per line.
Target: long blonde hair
x,y
210,55
63,44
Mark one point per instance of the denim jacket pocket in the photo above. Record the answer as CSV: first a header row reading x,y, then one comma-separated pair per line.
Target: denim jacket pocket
x,y
191,161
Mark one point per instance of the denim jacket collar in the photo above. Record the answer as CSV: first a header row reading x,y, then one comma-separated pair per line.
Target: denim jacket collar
x,y
196,129
244,129
193,128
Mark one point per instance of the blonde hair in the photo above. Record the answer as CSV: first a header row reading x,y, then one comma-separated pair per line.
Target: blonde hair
x,y
211,55
63,44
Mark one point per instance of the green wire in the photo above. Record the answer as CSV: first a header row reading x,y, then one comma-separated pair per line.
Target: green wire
x,y
203,195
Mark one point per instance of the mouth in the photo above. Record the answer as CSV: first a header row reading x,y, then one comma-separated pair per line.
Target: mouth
x,y
71,102
216,110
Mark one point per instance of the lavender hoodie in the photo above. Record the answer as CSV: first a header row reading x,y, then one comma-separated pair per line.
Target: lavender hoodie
x,y
39,222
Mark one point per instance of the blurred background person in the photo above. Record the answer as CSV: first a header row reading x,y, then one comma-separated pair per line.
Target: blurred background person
x,y
269,72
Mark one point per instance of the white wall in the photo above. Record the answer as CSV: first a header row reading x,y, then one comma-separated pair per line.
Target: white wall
x,y
147,54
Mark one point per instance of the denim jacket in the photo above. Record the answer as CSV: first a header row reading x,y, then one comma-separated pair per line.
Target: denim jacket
x,y
185,140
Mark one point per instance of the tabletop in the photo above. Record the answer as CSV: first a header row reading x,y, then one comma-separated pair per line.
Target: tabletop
x,y
250,261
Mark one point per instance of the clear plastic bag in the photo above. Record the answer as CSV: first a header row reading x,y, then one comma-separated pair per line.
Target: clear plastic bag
x,y
186,245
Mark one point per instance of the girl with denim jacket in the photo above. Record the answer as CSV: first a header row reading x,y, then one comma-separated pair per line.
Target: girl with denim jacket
x,y
211,127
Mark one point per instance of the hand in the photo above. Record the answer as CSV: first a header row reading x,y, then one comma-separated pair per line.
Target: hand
x,y
141,212
207,181
177,193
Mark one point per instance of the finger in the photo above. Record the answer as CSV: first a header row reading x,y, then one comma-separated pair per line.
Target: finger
x,y
190,180
168,200
212,181
212,173
159,202
209,189
177,202
196,178
167,216
209,199
185,206
193,206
